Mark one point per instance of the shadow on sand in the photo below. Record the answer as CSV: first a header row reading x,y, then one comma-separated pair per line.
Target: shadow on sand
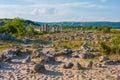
x,y
48,72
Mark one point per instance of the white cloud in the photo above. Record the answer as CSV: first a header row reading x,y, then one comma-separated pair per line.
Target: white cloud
x,y
56,12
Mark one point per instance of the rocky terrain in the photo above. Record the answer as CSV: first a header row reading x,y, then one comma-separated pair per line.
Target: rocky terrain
x,y
66,64
74,55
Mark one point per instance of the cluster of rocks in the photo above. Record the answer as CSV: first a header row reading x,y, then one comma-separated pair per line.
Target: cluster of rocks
x,y
88,36
107,61
9,54
70,65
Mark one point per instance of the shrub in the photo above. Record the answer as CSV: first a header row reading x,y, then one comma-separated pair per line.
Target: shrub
x,y
105,49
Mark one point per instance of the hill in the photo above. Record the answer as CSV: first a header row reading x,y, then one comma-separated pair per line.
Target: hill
x,y
111,24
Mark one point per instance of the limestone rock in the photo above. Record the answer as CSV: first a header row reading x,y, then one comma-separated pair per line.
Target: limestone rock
x,y
38,67
77,66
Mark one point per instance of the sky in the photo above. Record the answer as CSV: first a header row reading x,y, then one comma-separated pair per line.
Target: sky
x,y
61,10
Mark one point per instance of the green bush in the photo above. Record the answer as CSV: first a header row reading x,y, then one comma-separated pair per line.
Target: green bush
x,y
105,49
105,29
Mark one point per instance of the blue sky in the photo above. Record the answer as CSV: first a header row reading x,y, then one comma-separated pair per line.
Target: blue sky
x,y
61,10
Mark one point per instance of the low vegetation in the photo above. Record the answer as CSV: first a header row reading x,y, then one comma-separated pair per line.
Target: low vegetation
x,y
20,27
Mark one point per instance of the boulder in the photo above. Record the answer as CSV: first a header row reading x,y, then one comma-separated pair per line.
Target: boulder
x,y
103,58
38,67
77,66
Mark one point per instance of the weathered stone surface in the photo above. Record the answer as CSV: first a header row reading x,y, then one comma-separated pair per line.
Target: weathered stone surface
x,y
38,67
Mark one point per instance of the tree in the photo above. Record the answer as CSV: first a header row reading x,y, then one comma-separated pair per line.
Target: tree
x,y
14,27
18,23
